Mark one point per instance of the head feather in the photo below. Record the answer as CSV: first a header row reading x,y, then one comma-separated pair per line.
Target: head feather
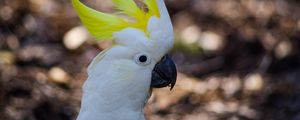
x,y
103,25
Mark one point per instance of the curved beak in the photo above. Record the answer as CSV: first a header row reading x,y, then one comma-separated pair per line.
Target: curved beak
x,y
164,73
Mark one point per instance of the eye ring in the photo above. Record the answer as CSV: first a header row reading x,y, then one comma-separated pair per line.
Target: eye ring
x,y
142,59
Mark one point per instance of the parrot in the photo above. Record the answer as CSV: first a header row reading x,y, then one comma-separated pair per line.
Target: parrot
x,y
120,79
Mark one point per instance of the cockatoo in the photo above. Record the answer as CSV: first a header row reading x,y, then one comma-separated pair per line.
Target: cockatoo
x,y
120,78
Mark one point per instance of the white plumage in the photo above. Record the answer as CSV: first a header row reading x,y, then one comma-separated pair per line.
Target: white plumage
x,y
117,86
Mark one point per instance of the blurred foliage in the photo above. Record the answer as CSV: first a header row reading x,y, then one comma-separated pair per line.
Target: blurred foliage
x,y
237,60
192,49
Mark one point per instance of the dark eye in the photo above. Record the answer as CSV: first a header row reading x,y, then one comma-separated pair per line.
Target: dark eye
x,y
142,59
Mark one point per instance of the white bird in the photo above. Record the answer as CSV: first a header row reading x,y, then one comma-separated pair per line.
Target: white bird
x,y
120,78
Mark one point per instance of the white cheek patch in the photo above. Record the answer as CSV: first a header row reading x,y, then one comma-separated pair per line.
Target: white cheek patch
x,y
96,60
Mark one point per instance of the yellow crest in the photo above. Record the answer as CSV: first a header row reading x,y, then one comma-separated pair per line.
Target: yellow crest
x,y
103,25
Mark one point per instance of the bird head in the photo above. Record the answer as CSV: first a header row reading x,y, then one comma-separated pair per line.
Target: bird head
x,y
138,61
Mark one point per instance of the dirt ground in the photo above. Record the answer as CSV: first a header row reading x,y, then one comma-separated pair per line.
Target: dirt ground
x,y
236,59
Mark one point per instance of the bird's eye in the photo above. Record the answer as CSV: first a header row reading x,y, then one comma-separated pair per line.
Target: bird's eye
x,y
142,59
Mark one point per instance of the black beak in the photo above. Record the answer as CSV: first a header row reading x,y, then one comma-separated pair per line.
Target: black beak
x,y
164,73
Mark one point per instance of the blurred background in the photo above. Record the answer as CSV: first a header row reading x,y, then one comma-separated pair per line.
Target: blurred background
x,y
237,60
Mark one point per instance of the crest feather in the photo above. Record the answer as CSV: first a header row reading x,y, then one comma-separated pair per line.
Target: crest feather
x,y
152,8
103,25
130,8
